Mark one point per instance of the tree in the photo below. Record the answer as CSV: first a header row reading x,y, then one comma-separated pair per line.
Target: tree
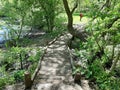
x,y
18,13
75,33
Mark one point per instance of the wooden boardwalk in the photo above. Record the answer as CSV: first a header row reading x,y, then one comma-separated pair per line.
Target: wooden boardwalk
x,y
56,72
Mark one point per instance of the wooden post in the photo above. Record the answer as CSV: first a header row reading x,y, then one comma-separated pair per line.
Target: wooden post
x,y
28,81
77,78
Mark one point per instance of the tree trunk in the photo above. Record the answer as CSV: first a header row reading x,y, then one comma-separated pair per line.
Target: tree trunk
x,y
75,33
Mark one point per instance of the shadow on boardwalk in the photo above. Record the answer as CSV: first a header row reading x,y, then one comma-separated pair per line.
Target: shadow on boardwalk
x,y
56,73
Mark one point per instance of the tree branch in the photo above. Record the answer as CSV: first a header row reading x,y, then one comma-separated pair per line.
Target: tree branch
x,y
106,4
109,25
75,6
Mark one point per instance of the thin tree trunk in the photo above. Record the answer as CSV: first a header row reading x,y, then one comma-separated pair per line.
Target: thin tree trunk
x,y
21,27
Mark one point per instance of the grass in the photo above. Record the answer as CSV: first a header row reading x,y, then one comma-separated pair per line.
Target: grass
x,y
76,18
84,20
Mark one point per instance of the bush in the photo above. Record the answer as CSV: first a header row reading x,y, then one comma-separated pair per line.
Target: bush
x,y
19,75
11,70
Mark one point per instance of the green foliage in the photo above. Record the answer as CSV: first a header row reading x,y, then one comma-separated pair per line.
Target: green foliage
x,y
102,45
103,30
36,56
6,80
15,55
16,9
38,19
36,14
19,75
11,64
50,11
76,70
32,13
18,14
